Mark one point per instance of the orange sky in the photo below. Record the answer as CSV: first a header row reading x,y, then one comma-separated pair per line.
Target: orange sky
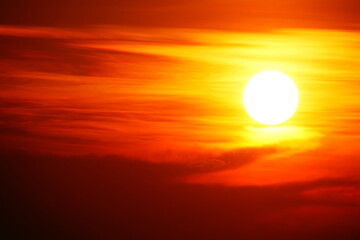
x,y
161,102
165,92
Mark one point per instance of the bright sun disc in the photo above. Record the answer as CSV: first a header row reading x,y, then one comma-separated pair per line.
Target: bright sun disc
x,y
270,97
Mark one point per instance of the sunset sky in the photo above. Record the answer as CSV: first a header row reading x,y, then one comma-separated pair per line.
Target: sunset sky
x,y
125,120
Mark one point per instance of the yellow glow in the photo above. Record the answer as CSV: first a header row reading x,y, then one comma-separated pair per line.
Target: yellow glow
x,y
270,97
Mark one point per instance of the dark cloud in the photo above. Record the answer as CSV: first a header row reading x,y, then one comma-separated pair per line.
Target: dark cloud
x,y
44,55
69,55
91,197
231,159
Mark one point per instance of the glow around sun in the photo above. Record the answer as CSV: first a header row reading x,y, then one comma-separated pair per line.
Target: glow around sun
x,y
270,97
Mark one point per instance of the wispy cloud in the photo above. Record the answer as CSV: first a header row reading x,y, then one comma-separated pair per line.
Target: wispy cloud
x,y
175,96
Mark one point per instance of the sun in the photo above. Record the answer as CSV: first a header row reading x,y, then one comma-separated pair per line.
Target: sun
x,y
270,97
